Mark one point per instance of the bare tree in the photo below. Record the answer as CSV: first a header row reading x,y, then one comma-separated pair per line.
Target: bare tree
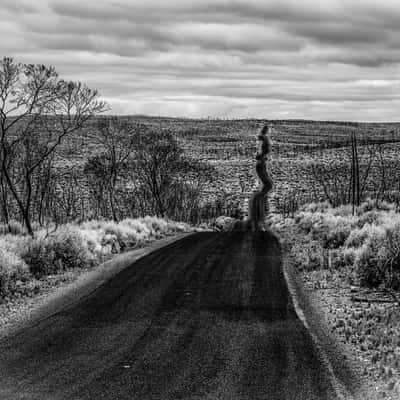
x,y
157,160
117,137
37,111
355,173
348,180
166,180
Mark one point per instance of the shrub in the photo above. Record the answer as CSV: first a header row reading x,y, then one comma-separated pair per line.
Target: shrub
x,y
350,256
358,236
316,207
334,236
106,237
338,259
307,220
139,226
371,204
119,236
368,241
178,227
61,251
92,239
158,227
13,274
331,230
368,265
343,211
379,259
22,259
369,217
13,228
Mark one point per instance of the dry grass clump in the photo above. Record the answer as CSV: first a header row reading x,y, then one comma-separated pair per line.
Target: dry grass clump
x,y
107,237
23,260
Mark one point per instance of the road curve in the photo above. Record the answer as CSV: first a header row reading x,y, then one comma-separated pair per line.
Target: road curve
x,y
207,317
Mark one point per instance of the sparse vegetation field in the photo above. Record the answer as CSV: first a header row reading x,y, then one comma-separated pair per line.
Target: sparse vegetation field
x,y
350,265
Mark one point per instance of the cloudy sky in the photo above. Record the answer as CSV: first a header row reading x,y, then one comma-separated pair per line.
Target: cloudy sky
x,y
319,59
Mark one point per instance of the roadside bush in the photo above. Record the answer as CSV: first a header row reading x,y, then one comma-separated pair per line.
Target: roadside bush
x,y
142,231
332,231
92,239
335,234
23,260
13,274
107,237
308,220
358,236
118,236
376,217
378,262
61,251
158,226
366,245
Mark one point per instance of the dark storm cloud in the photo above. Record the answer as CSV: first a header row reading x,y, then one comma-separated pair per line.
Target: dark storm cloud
x,y
219,57
339,33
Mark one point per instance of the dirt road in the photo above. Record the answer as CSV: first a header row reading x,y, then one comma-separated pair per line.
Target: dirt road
x,y
207,317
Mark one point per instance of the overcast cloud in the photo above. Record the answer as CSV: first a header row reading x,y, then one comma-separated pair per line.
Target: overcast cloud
x,y
319,59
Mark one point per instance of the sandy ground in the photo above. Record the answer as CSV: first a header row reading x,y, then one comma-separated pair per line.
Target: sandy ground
x,y
366,332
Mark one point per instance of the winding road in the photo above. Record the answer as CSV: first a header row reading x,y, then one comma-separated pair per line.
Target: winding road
x,y
207,317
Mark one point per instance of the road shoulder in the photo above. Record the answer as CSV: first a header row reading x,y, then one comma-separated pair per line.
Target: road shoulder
x,y
28,311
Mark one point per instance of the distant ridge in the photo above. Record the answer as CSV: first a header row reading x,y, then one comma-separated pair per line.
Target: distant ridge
x,y
258,120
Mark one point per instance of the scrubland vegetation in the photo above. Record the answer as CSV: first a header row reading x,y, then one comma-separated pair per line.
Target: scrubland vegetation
x,y
366,244
26,262
351,264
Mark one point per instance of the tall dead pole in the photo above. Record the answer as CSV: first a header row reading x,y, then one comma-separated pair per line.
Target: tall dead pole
x,y
355,173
